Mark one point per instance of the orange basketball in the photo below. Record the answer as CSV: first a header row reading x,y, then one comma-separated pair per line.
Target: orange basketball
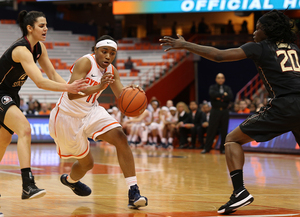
x,y
132,102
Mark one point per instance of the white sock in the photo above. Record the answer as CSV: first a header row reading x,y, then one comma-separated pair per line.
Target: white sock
x,y
130,181
144,136
155,140
70,180
163,140
150,139
133,138
170,140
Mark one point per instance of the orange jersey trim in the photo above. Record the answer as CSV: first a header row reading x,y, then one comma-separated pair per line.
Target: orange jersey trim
x,y
74,65
70,155
59,151
104,128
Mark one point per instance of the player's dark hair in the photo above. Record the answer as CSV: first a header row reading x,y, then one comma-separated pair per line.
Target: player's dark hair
x,y
278,27
104,37
28,18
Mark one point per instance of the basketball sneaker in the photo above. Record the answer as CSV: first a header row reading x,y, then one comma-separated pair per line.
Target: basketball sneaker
x,y
170,147
135,199
237,200
1,214
32,192
78,188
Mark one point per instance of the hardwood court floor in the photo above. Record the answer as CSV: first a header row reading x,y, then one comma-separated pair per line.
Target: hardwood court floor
x,y
179,183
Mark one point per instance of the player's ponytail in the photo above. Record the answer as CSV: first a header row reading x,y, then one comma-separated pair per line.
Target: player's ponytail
x,y
28,18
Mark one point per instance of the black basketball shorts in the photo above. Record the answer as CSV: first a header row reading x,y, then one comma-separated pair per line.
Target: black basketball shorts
x,y
6,101
281,115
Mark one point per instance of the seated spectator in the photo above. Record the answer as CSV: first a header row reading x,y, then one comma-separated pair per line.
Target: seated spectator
x,y
204,123
236,107
128,64
164,115
23,106
248,102
169,129
252,108
243,108
190,125
155,130
37,105
116,114
149,107
44,109
139,129
31,109
169,104
182,111
30,99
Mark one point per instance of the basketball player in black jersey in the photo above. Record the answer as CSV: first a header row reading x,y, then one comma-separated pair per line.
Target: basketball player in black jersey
x,y
16,65
277,61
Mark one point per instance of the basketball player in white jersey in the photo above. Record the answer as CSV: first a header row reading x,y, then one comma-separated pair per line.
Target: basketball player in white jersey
x,y
154,126
78,117
139,128
169,128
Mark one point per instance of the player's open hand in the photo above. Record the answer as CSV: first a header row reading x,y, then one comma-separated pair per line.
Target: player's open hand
x,y
77,86
107,79
173,42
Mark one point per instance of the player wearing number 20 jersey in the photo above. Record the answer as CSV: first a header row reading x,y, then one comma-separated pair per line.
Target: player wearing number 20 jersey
x,y
277,60
279,68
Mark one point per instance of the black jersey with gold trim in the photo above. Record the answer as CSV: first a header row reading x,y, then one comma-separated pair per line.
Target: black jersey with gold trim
x,y
278,66
12,74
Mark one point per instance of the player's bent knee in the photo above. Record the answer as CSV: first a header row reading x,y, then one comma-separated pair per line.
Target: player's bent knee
x,y
119,138
24,132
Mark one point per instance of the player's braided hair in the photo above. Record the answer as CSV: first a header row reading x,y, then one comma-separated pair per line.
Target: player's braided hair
x,y
278,27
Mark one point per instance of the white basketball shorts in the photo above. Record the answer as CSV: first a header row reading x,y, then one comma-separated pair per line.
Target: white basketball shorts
x,y
71,133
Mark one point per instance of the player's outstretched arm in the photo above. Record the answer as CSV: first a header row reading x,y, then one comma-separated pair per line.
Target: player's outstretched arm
x,y
207,52
22,55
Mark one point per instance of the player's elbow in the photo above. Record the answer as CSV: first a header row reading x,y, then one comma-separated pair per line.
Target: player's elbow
x,y
39,84
218,58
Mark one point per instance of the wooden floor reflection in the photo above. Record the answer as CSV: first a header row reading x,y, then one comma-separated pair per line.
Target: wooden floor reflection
x,y
178,183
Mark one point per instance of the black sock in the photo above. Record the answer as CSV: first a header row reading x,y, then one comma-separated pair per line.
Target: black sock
x,y
237,179
27,177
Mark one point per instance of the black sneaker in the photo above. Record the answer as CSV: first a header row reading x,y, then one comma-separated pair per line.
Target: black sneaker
x,y
237,200
32,192
135,199
78,188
